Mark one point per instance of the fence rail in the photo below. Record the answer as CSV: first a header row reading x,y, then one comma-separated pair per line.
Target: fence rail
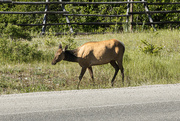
x,y
163,3
95,15
74,3
35,12
100,23
153,12
80,3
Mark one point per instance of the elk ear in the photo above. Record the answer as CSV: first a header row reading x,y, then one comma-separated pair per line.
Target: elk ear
x,y
60,46
66,48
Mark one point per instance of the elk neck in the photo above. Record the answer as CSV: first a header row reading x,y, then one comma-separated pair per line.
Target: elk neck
x,y
71,55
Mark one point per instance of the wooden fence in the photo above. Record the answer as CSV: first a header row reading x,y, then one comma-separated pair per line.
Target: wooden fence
x,y
128,15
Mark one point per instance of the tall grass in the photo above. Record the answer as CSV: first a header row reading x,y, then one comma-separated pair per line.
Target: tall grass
x,y
140,68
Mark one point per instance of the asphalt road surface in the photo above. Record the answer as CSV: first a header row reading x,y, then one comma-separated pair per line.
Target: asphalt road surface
x,y
144,103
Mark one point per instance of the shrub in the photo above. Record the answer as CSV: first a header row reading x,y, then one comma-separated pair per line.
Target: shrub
x,y
150,48
15,32
50,39
2,27
18,51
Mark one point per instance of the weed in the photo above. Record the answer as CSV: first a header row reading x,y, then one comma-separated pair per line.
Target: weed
x,y
50,43
150,48
70,42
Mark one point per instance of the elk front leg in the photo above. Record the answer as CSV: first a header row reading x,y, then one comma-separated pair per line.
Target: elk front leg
x,y
83,70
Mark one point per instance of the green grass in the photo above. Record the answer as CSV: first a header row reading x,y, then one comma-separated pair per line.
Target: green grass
x,y
140,68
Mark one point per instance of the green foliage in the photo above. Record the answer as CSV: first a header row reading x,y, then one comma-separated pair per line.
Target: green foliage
x,y
100,9
22,18
18,52
49,40
150,48
2,27
16,32
103,9
70,42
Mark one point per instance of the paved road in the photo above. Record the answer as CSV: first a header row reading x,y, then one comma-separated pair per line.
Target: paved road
x,y
144,103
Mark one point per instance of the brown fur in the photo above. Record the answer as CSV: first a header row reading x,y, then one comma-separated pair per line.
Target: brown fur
x,y
94,53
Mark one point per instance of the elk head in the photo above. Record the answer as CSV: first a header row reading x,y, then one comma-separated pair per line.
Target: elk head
x,y
59,55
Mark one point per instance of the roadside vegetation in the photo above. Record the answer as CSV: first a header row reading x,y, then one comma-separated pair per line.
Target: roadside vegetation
x,y
25,63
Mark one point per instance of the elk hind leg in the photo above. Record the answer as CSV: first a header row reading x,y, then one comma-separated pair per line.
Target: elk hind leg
x,y
114,64
122,70
91,74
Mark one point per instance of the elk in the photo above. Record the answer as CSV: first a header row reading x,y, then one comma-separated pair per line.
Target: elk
x,y
94,53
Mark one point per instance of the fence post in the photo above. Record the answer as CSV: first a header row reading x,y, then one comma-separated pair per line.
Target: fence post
x,y
67,19
45,19
127,18
149,16
131,16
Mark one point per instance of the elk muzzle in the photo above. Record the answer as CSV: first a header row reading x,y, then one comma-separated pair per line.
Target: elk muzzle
x,y
53,62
